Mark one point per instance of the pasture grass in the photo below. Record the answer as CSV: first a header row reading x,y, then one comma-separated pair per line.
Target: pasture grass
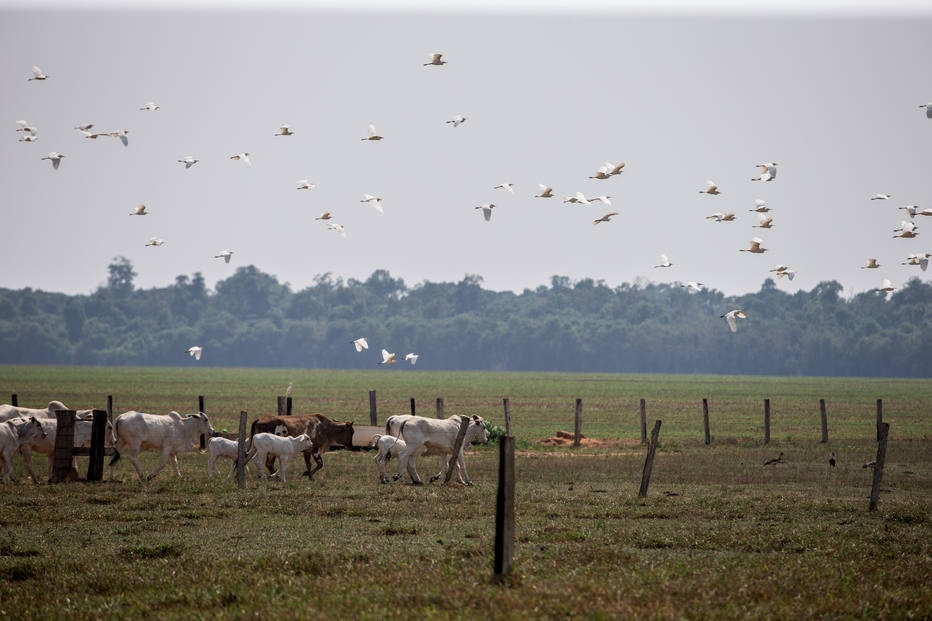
x,y
719,536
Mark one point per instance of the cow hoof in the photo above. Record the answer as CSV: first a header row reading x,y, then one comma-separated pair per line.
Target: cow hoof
x,y
417,483
468,483
395,477
432,479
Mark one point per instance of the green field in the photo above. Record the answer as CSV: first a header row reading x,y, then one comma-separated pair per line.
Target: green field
x,y
718,536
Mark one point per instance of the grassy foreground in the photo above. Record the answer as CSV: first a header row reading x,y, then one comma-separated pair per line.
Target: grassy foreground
x,y
718,536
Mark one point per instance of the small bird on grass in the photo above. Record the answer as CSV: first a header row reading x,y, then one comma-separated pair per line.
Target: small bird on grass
x,y
775,460
831,460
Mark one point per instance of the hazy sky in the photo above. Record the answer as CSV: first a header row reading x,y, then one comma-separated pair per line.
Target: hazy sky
x,y
830,93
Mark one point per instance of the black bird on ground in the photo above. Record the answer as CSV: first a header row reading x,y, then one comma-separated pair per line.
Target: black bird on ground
x,y
775,460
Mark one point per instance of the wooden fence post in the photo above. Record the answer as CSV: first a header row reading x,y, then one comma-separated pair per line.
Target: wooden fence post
x,y
14,400
879,417
413,407
649,462
824,416
457,446
507,416
200,408
241,451
110,408
879,462
505,507
373,409
95,466
705,420
440,407
280,405
288,404
577,427
766,421
643,409
64,443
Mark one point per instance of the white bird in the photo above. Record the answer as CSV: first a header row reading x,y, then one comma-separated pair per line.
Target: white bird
x,y
139,211
768,172
732,318
55,158
787,273
151,105
28,138
601,173
119,133
37,74
486,210
289,389
155,241
324,216
545,191
304,185
721,217
284,130
664,262
435,59
766,222
241,157
755,246
361,343
920,259
375,201
871,264
602,199
505,186
927,106
881,197
388,357
412,358
188,161
373,135
606,218
710,188
84,127
24,126
886,286
457,120
907,230
760,206
195,352
226,255
914,210
333,226
579,198
614,169
692,285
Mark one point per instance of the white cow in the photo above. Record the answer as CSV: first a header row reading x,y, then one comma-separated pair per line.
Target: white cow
x,y
265,444
169,433
430,434
13,434
8,412
390,446
223,447
46,444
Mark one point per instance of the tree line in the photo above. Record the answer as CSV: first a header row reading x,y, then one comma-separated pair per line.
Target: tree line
x,y
252,320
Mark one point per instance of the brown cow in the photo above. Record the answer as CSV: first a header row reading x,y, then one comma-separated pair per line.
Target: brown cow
x,y
323,431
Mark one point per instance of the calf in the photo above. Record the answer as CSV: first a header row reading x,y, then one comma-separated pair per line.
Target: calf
x,y
15,433
323,431
265,444
223,447
390,446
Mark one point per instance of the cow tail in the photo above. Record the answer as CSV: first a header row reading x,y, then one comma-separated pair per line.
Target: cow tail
x,y
401,430
388,426
115,438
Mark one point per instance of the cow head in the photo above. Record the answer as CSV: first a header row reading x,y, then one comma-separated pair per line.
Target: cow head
x,y
478,430
205,427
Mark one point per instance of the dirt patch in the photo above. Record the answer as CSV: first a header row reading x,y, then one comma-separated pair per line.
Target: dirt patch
x,y
565,438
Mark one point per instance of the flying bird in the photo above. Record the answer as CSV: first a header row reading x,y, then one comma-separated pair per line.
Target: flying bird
x,y
692,285
54,157
768,172
226,255
664,262
486,210
361,343
28,138
37,74
886,286
927,106
601,173
373,135
775,460
871,264
188,161
241,157
914,210
155,241
545,191
755,246
333,226
766,222
26,128
375,201
614,169
412,358
195,352
578,198
907,230
284,130
457,120
151,105
139,211
710,188
760,206
84,127
920,259
606,218
323,216
606,200
436,60
388,357
782,271
304,185
510,188
721,217
732,318
881,197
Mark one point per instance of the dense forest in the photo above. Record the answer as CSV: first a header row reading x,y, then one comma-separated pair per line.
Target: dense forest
x,y
252,320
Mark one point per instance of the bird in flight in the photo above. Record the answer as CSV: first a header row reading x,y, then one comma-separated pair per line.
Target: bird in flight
x,y
545,191
457,120
323,216
373,135
155,241
760,206
886,286
508,187
766,222
375,201
692,285
26,128
710,188
486,210
388,357
188,161
755,246
195,352
927,106
361,343
732,318
284,130
139,211
37,74
339,228
304,185
606,218
55,158
768,172
151,105
871,264
664,262
412,358
243,157
881,197
226,255
721,217
435,60
578,198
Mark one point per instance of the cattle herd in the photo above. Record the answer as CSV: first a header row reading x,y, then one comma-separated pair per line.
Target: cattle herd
x,y
27,430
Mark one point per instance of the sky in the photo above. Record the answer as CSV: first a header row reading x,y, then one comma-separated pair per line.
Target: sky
x,y
828,90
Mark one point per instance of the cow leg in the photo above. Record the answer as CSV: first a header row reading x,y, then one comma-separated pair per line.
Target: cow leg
x,y
210,466
175,461
132,458
307,464
461,467
444,466
166,453
282,466
260,466
27,461
8,467
380,465
319,462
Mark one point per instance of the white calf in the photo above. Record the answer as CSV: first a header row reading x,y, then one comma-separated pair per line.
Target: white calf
x,y
13,434
265,444
222,447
